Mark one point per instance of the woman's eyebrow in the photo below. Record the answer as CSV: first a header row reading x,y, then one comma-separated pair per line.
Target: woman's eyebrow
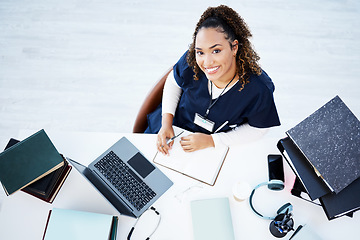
x,y
218,44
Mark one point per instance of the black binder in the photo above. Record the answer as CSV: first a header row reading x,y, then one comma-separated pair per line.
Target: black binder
x,y
346,202
313,184
329,138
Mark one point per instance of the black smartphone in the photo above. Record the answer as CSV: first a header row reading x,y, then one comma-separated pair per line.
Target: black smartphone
x,y
276,169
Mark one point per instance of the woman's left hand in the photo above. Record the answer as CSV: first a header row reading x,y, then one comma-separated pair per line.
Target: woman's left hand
x,y
196,141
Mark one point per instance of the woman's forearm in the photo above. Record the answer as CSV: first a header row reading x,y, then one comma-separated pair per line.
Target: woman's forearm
x,y
240,135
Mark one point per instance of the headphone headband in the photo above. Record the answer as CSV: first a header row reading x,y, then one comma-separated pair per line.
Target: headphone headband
x,y
276,185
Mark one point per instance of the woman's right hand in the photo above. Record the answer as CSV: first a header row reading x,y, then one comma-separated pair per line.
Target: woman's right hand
x,y
164,135
166,132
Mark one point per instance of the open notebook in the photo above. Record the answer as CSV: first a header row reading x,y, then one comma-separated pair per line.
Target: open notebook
x,y
203,165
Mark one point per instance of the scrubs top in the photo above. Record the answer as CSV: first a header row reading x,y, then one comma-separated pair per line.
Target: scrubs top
x,y
254,104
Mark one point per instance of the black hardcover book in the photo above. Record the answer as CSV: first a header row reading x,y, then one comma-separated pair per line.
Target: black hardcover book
x,y
11,143
50,196
46,185
330,140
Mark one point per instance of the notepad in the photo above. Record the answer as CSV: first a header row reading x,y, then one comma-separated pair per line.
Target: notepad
x,y
73,225
211,219
203,165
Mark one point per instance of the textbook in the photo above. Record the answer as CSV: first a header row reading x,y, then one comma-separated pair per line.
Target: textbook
x,y
46,188
28,161
330,140
211,219
75,225
203,165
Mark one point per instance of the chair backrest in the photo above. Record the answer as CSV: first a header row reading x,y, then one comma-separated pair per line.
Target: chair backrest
x,y
152,100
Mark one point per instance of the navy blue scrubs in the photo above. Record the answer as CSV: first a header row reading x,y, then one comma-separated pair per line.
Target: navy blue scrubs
x,y
254,104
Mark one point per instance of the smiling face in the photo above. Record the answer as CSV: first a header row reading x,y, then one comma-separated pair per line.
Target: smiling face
x,y
215,56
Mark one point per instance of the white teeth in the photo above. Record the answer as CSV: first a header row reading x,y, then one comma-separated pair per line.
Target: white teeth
x,y
210,70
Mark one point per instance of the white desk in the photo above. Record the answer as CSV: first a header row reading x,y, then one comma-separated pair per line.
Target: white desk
x,y
23,216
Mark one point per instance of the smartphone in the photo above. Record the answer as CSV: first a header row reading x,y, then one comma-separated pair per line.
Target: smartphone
x,y
276,169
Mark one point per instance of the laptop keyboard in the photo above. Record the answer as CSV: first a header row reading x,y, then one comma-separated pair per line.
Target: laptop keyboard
x,y
125,180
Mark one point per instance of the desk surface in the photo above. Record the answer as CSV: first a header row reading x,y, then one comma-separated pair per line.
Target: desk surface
x,y
24,217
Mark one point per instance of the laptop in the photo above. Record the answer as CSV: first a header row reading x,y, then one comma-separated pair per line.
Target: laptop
x,y
129,181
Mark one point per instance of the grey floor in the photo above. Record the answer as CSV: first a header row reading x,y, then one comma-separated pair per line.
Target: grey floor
x,y
86,65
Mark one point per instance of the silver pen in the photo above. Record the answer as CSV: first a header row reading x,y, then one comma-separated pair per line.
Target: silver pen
x,y
173,138
223,125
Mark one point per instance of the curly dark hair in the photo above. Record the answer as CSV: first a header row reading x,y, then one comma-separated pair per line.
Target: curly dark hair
x,y
229,22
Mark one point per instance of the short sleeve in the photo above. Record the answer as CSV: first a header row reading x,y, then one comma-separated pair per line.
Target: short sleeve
x,y
264,116
183,73
263,113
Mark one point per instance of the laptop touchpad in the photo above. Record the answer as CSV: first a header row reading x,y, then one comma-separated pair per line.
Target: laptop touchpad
x,y
141,165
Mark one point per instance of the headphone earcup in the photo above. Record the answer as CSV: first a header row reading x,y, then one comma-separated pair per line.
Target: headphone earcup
x,y
276,185
286,207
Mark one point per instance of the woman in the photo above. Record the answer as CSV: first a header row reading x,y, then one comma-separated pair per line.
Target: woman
x,y
217,89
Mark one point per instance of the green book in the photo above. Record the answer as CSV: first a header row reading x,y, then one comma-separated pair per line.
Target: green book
x,y
72,225
211,219
28,161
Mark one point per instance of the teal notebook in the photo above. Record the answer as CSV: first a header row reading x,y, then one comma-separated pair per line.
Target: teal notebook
x,y
77,225
28,161
211,219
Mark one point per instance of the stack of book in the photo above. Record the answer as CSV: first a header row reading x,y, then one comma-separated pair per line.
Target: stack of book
x,y
323,150
33,166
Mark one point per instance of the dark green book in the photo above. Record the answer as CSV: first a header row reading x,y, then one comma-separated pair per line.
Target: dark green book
x,y
28,161
47,187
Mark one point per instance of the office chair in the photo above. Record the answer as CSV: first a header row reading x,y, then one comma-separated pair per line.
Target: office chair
x,y
152,100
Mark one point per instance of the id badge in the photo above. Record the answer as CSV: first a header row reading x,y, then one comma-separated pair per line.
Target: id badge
x,y
204,122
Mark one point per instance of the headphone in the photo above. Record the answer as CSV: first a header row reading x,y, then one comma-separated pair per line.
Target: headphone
x,y
282,223
158,223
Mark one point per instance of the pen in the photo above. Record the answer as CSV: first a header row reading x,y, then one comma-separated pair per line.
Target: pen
x,y
223,125
173,138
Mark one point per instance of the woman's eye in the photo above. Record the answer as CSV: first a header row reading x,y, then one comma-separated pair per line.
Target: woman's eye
x,y
199,53
217,51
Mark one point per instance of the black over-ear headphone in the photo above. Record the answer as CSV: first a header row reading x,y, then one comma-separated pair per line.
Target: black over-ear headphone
x,y
282,223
